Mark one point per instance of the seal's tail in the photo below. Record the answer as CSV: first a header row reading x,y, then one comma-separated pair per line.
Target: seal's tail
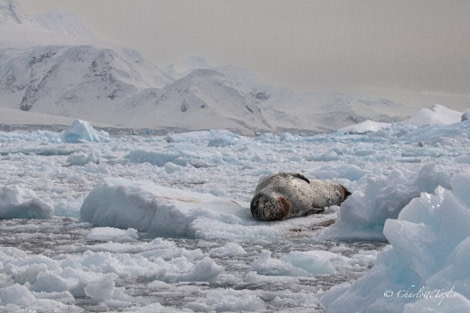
x,y
346,192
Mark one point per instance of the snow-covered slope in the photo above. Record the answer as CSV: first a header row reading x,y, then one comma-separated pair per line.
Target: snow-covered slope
x,y
20,30
65,79
202,99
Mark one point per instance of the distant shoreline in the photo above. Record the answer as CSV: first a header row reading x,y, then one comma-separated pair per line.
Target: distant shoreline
x,y
117,131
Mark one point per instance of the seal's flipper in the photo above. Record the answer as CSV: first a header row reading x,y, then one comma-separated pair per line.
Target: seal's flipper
x,y
300,176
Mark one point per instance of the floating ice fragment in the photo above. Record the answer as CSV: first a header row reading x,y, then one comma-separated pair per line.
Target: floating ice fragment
x,y
80,158
205,270
425,268
378,198
437,115
228,300
102,288
113,234
18,202
157,210
82,131
314,262
230,249
266,265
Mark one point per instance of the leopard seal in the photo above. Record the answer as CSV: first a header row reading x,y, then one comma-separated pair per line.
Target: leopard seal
x,y
285,195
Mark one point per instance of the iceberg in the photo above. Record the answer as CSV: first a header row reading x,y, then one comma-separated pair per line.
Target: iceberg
x,y
82,131
425,267
158,210
437,115
381,197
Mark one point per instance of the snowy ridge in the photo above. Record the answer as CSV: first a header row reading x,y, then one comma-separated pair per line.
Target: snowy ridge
x,y
64,22
203,99
20,30
12,13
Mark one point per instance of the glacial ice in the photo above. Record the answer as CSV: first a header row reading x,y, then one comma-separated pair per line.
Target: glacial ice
x,y
423,268
437,115
82,131
160,211
381,197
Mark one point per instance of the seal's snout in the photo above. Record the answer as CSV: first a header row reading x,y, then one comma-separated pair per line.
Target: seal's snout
x,y
256,207
268,208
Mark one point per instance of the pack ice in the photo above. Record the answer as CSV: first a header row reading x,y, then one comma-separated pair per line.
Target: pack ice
x,y
162,223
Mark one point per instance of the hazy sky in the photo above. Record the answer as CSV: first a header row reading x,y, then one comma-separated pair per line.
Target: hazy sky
x,y
421,45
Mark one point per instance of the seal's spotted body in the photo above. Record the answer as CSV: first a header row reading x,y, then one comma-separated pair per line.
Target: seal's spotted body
x,y
286,195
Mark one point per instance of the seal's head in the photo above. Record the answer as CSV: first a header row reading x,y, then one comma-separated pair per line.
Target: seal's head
x,y
269,207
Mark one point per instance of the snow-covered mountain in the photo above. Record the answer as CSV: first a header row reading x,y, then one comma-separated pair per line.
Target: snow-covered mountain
x,y
200,100
66,80
52,64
